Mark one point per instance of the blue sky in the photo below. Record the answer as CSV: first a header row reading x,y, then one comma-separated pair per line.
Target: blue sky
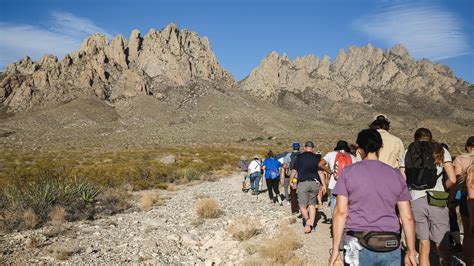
x,y
243,32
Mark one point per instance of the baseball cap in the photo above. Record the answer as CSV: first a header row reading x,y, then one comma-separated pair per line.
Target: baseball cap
x,y
296,146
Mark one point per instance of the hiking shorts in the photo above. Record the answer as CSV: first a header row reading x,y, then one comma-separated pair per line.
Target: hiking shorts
x,y
431,222
307,193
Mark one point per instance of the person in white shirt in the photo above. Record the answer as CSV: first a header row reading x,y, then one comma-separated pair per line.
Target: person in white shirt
x,y
337,160
255,173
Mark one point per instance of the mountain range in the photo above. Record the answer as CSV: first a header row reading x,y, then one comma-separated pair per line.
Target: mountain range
x,y
167,87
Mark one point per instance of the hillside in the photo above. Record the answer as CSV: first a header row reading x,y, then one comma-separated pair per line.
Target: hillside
x,y
167,87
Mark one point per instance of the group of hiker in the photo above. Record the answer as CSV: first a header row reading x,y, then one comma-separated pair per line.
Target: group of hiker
x,y
378,192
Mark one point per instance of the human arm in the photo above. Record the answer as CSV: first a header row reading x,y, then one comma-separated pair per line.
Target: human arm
x,y
449,169
292,176
322,166
339,221
282,174
408,225
322,176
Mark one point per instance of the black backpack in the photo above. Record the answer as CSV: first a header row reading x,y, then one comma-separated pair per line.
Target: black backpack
x,y
420,167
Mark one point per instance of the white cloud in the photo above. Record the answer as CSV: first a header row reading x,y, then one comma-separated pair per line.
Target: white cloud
x,y
426,30
63,36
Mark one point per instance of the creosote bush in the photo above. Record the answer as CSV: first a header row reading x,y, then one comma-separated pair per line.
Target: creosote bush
x,y
208,208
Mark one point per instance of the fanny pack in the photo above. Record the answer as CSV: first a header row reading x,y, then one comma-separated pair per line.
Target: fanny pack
x,y
437,198
377,241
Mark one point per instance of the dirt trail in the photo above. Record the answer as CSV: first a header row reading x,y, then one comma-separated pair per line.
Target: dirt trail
x,y
170,233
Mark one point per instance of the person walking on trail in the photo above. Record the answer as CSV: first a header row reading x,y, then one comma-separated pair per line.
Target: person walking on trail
x,y
365,219
337,160
308,183
393,148
422,166
290,193
461,164
244,165
273,173
255,172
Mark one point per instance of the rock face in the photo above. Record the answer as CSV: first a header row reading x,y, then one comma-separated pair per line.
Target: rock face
x,y
364,75
112,71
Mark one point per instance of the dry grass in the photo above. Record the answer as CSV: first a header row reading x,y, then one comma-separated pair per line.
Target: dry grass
x,y
244,228
57,215
33,241
208,208
113,200
148,199
171,187
279,249
30,219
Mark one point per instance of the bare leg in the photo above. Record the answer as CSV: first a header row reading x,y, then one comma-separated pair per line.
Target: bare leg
x,y
424,252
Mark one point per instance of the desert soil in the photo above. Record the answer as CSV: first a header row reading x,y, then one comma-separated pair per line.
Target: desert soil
x,y
169,233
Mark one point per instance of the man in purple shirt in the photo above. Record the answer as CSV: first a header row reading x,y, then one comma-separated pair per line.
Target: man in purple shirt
x,y
368,193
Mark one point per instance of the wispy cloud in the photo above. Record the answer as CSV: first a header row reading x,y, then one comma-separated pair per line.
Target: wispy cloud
x,y
428,31
63,35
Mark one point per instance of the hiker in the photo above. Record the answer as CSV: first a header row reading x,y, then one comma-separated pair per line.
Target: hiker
x,y
393,148
365,219
273,173
305,172
254,172
244,165
422,165
291,197
337,160
461,165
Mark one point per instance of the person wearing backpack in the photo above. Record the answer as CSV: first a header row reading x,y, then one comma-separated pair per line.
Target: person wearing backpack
x,y
393,147
365,218
337,160
308,183
461,165
422,166
244,165
273,173
290,193
254,172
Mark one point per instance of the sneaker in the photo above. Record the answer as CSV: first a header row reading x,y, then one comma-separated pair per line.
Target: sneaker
x,y
288,203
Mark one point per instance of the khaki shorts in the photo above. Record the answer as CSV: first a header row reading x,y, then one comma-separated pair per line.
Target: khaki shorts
x,y
307,193
431,222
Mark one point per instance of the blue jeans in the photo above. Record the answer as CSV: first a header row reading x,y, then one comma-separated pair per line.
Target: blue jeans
x,y
254,181
332,204
371,258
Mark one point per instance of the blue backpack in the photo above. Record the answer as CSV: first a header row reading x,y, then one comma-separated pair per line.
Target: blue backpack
x,y
272,168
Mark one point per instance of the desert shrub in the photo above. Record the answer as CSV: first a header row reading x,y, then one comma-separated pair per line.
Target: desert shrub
x,y
171,187
41,191
112,201
148,199
208,208
30,219
244,228
279,248
57,215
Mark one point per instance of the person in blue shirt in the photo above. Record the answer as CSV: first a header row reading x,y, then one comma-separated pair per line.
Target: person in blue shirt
x,y
273,172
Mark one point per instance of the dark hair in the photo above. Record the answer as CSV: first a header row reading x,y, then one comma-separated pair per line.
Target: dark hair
x,y
423,134
369,140
469,143
270,154
380,123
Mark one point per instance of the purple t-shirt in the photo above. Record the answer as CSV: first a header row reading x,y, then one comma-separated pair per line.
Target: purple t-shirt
x,y
373,189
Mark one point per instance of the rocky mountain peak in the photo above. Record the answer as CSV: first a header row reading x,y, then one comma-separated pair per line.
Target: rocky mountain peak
x,y
161,59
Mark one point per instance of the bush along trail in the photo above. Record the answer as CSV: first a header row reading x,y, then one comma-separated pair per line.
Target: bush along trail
x,y
210,223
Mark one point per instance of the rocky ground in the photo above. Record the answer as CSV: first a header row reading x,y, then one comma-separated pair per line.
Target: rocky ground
x,y
170,233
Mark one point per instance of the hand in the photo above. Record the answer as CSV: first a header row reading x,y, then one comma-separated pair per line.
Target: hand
x,y
293,185
335,258
410,259
323,190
